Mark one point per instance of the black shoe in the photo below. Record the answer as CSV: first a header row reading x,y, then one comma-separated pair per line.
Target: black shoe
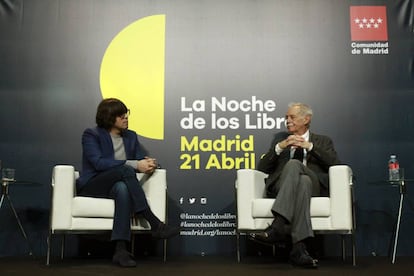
x,y
123,258
165,231
271,235
299,256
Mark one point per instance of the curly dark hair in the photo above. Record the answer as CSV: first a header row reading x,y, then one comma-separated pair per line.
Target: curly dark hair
x,y
108,110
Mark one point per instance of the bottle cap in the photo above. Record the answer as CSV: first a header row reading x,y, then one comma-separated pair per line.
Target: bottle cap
x,y
393,156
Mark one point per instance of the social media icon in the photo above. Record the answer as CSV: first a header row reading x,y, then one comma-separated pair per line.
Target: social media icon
x,y
192,200
203,200
181,200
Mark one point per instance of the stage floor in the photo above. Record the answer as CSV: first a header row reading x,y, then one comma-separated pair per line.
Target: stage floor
x,y
198,266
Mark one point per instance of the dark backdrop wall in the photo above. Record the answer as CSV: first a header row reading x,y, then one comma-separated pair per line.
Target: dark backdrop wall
x,y
360,87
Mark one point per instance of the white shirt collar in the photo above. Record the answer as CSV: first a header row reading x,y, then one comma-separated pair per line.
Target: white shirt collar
x,y
306,135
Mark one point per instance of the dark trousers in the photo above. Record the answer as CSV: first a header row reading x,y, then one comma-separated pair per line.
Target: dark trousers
x,y
120,184
294,190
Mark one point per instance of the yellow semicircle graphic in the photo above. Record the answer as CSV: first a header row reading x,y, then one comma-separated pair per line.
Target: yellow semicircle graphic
x,y
132,70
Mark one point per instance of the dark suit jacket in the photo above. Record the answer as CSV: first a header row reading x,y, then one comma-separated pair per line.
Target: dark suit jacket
x,y
319,159
98,152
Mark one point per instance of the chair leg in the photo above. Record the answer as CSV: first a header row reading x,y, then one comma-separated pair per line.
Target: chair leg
x,y
49,241
343,248
165,250
238,245
353,249
62,248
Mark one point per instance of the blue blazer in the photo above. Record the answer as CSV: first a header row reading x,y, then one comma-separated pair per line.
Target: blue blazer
x,y
98,152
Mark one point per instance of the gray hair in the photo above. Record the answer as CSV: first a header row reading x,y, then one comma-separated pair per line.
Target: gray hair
x,y
304,110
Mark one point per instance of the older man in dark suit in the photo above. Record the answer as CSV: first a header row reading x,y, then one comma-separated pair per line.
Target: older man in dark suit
x,y
297,163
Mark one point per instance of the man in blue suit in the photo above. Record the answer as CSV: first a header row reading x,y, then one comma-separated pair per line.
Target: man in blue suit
x,y
297,163
111,157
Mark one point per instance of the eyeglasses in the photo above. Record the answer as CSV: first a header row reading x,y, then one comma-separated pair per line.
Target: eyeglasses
x,y
126,115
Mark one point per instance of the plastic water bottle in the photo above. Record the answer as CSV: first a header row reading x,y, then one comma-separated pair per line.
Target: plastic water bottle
x,y
393,168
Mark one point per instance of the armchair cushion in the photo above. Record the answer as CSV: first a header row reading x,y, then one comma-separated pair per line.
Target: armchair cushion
x,y
320,207
83,206
91,207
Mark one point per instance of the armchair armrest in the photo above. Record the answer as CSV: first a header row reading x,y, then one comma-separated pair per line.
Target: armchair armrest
x,y
249,185
63,189
155,188
340,184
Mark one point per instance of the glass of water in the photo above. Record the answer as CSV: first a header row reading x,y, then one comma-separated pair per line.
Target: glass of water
x,y
7,174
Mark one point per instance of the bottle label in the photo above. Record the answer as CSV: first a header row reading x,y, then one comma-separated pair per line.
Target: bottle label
x,y
393,166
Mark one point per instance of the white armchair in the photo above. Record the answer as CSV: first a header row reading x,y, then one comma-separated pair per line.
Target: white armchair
x,y
329,215
72,214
